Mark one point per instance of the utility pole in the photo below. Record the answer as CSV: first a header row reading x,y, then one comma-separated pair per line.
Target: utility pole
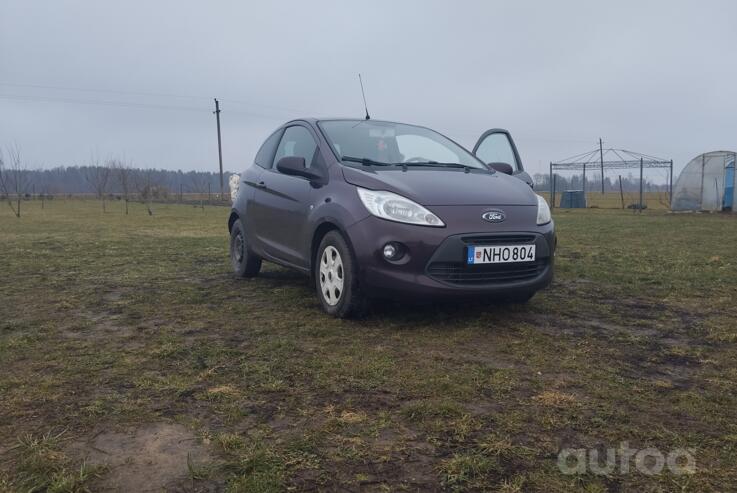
x,y
670,185
220,147
584,181
640,185
552,189
601,157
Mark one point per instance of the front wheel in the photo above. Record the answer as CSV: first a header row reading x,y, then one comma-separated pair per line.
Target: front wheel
x,y
245,263
336,277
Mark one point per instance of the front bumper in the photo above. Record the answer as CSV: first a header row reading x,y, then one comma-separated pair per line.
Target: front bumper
x,y
435,260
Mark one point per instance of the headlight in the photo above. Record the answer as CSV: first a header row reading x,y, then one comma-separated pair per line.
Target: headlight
x,y
543,211
394,207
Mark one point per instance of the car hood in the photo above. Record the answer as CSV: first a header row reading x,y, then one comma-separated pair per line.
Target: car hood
x,y
433,186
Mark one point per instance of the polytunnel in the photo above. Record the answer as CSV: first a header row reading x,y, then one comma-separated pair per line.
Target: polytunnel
x,y
707,183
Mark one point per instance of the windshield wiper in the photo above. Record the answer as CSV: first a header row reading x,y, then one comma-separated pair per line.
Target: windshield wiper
x,y
364,160
436,164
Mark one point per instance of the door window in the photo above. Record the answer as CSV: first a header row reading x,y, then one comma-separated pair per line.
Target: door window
x,y
297,141
496,148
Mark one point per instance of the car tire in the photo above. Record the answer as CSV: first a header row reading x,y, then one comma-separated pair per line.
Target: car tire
x,y
245,263
336,278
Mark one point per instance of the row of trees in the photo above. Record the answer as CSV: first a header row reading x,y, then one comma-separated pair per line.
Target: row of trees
x,y
73,179
114,173
104,178
118,177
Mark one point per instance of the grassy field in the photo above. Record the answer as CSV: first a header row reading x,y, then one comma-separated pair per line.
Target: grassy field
x,y
130,358
613,200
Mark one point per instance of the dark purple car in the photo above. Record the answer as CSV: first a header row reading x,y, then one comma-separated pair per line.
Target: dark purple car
x,y
374,209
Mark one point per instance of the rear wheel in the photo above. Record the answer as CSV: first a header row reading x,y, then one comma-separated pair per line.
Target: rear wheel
x,y
336,277
245,263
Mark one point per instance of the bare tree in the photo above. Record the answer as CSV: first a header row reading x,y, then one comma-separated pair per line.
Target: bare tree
x,y
14,179
124,175
145,184
198,184
42,188
98,177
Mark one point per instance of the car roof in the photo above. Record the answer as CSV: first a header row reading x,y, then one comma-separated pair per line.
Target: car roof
x,y
314,120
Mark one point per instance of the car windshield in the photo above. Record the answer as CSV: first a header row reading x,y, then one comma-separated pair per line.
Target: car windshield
x,y
375,143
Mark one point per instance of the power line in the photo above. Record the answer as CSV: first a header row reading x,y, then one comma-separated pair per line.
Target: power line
x,y
128,104
108,91
269,106
149,94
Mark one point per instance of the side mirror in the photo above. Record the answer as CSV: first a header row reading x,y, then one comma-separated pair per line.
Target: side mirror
x,y
505,168
295,166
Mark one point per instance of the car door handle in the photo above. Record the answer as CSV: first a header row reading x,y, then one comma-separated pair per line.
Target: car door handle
x,y
261,184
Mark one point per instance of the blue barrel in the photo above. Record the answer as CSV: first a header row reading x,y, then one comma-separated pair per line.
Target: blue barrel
x,y
573,199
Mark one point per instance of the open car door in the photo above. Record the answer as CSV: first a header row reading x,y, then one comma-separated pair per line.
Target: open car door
x,y
496,148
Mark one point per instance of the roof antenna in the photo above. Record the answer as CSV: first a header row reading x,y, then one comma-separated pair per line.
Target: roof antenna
x,y
364,97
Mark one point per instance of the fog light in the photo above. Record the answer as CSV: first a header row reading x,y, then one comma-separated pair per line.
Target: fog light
x,y
390,251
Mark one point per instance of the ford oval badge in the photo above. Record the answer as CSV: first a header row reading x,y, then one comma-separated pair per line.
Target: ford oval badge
x,y
494,216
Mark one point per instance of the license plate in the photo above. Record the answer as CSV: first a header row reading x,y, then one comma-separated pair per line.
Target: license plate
x,y
500,254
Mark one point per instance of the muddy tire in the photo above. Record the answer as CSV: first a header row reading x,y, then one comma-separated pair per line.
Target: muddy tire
x,y
245,263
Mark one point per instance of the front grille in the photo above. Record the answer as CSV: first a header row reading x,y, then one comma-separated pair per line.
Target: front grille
x,y
460,273
498,239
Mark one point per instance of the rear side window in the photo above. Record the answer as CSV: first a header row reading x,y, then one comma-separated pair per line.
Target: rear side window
x,y
297,141
265,155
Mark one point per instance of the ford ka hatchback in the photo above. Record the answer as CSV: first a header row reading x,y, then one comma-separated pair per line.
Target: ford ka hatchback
x,y
374,209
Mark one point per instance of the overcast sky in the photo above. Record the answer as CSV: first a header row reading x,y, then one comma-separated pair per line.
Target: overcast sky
x,y
136,79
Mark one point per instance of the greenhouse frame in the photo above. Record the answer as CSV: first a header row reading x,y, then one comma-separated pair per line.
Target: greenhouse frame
x,y
612,159
707,183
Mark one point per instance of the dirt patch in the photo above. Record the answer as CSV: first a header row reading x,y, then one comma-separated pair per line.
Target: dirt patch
x,y
102,328
113,295
153,457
